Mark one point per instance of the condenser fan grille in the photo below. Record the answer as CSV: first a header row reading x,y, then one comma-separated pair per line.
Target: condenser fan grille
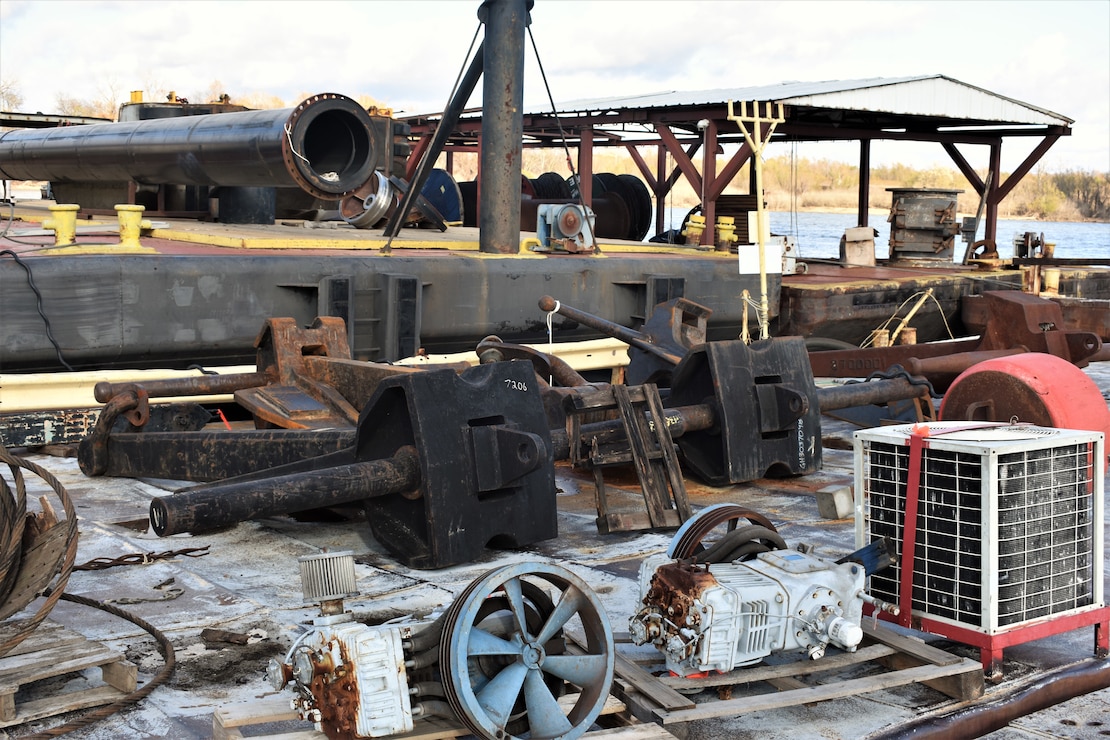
x,y
1045,533
1041,525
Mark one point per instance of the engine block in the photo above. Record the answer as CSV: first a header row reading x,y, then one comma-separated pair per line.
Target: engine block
x,y
350,678
720,616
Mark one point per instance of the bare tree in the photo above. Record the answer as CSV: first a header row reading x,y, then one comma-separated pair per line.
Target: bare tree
x,y
10,98
106,105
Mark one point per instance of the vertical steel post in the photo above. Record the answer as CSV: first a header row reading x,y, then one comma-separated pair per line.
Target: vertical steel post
x,y
863,200
586,166
502,124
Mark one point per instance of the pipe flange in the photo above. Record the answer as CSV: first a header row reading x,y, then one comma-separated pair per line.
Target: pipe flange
x,y
328,146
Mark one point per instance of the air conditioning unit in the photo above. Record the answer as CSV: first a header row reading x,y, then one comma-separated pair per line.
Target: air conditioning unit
x,y
1006,545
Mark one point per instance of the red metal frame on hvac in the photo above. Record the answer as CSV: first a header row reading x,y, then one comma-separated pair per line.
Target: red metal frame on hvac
x,y
990,646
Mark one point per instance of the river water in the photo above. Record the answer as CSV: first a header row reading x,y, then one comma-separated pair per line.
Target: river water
x,y
817,235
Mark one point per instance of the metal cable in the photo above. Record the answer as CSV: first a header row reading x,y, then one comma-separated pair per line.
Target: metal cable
x,y
897,371
38,306
61,569
30,281
13,524
164,646
562,134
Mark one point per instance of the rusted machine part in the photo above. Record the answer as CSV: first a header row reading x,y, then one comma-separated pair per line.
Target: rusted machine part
x,y
200,385
859,362
736,410
879,391
687,542
369,204
305,379
492,349
1079,314
213,455
983,718
704,417
1024,320
314,382
945,368
216,506
93,452
484,469
1018,322
679,324
1034,387
324,145
679,421
651,345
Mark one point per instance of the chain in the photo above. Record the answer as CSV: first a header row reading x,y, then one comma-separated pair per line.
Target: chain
x,y
140,558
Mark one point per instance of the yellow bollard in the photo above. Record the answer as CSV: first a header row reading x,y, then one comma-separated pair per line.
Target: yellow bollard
x,y
130,224
726,233
695,227
63,223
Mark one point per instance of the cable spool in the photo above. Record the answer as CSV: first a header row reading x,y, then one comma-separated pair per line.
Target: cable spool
x,y
551,185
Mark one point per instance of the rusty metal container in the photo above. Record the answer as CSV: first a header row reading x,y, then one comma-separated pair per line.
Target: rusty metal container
x,y
923,223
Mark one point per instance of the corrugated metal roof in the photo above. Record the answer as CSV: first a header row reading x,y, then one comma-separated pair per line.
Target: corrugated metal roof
x,y
925,95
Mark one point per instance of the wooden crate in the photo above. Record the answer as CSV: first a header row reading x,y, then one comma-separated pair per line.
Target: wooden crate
x,y
904,659
228,723
50,651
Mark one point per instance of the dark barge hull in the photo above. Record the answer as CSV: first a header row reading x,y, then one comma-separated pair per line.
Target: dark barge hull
x,y
195,303
202,292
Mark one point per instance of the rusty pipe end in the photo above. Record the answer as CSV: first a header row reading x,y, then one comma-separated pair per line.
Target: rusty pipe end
x,y
547,303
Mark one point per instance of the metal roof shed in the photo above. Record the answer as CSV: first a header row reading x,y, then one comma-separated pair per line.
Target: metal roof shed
x,y
927,108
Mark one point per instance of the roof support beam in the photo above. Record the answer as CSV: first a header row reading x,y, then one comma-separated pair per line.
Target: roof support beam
x,y
863,201
680,157
728,172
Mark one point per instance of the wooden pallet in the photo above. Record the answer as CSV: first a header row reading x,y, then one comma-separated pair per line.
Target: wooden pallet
x,y
906,660
52,650
229,722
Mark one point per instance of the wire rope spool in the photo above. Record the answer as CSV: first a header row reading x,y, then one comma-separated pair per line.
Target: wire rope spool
x,y
699,535
37,550
639,194
502,657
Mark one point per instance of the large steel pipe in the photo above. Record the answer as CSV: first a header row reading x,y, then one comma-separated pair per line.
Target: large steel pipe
x,y
323,146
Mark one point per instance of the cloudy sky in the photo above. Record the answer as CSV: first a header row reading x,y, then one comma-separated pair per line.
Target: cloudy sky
x,y
1053,54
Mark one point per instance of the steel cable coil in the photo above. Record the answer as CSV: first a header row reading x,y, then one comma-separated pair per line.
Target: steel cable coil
x,y
37,554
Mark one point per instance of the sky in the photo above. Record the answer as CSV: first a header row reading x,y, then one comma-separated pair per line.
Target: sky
x,y
1053,54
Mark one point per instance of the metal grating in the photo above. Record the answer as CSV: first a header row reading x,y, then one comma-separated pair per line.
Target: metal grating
x,y
1020,521
1045,532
